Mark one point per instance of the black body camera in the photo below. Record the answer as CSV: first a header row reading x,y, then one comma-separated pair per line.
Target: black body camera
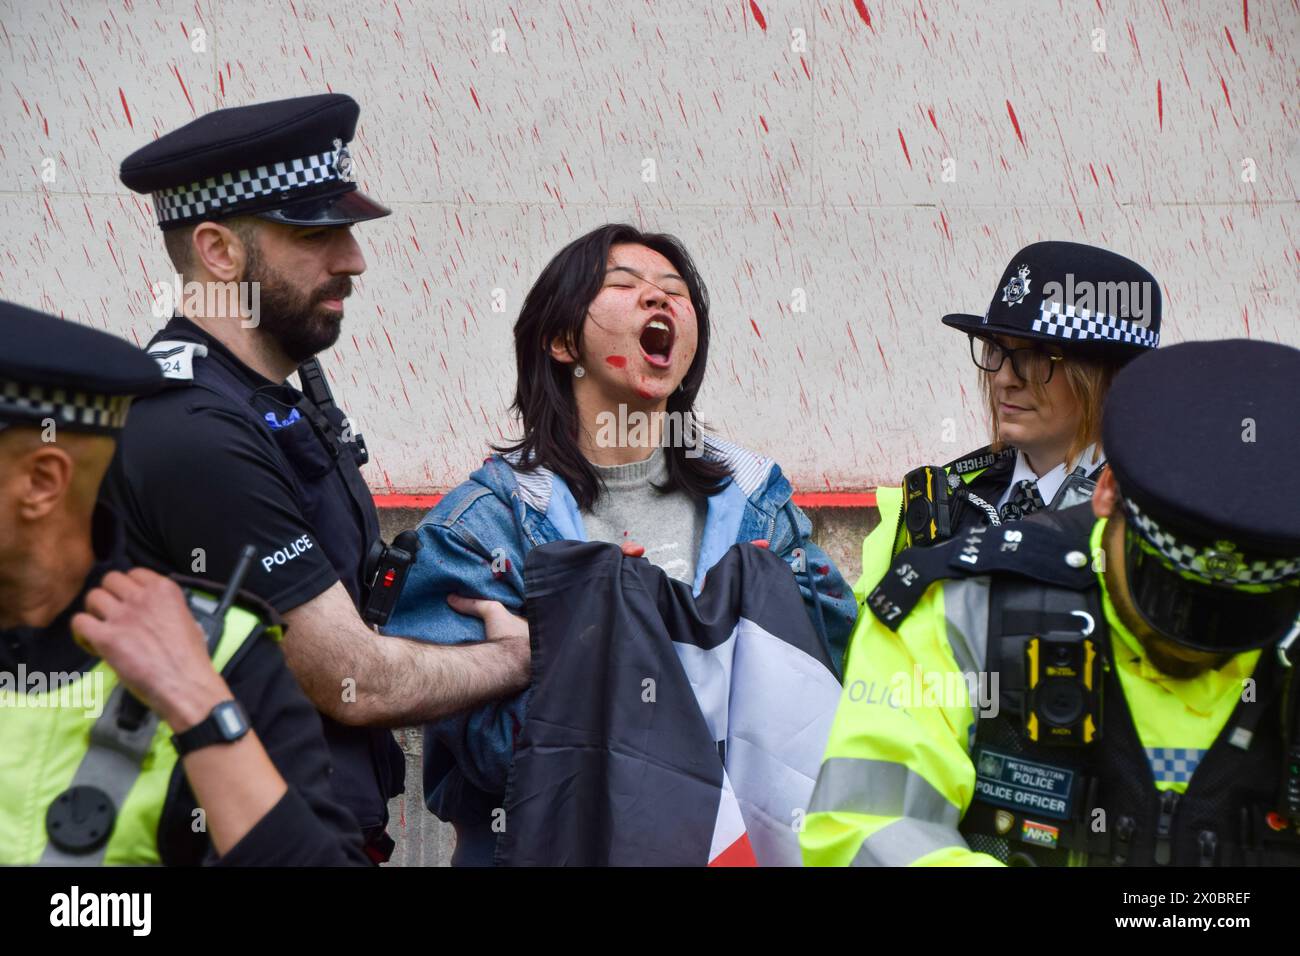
x,y
927,512
386,570
1063,677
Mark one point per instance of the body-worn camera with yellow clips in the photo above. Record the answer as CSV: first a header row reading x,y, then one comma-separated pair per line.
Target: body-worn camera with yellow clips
x,y
1063,681
927,510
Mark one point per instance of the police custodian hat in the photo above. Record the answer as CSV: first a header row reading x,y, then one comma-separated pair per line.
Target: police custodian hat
x,y
1204,441
78,377
287,161
1078,297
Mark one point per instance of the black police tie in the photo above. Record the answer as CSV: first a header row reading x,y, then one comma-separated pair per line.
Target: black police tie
x,y
1024,500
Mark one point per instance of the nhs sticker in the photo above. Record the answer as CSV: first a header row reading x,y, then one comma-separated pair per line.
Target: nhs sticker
x,y
1040,833
1027,786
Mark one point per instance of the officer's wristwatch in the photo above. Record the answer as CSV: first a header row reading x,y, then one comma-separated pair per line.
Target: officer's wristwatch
x,y
226,724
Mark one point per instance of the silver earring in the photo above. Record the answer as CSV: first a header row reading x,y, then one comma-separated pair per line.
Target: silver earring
x,y
579,371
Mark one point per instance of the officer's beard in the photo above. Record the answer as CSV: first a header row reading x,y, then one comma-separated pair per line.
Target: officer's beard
x,y
294,320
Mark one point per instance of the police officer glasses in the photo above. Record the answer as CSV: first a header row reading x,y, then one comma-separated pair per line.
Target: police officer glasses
x,y
1031,364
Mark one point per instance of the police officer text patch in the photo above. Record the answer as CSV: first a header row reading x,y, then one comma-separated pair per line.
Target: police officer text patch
x,y
1029,786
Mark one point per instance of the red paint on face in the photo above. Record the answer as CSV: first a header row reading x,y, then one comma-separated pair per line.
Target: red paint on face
x,y
645,393
616,361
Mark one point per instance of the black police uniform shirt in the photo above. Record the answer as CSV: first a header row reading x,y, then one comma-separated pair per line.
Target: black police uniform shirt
x,y
197,476
306,827
196,481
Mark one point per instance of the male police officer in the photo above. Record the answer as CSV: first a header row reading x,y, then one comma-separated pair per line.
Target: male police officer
x,y
88,773
265,195
1065,691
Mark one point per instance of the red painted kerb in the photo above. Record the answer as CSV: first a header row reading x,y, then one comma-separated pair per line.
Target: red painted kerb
x,y
808,499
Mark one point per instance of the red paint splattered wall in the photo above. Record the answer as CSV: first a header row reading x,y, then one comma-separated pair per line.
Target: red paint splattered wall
x,y
796,146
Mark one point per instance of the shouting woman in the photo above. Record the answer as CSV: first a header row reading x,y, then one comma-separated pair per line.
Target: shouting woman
x,y
611,346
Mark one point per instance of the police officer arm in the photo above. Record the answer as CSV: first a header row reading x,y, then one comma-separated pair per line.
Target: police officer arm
x,y
139,623
480,741
358,677
309,826
200,506
896,778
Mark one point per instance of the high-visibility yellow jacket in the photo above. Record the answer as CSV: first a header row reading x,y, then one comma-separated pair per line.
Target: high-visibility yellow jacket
x,y
897,777
884,543
44,737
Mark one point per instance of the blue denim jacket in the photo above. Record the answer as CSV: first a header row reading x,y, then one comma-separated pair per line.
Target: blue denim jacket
x,y
474,544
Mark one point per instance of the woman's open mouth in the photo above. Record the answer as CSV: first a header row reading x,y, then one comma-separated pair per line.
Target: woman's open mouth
x,y
657,340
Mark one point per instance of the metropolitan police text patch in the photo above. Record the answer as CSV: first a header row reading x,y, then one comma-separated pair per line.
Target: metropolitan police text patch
x,y
1027,786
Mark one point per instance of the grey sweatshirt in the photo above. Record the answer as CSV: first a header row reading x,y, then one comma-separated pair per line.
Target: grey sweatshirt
x,y
668,526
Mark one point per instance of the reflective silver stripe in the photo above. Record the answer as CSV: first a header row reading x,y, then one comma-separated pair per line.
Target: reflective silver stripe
x,y
966,613
112,763
905,841
966,608
879,788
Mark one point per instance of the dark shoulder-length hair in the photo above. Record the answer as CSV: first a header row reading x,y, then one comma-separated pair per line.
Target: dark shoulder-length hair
x,y
556,308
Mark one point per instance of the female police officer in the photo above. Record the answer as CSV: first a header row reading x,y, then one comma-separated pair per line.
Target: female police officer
x,y
1064,319
1112,684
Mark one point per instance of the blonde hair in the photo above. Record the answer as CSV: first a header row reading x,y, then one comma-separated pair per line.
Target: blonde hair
x,y
1089,381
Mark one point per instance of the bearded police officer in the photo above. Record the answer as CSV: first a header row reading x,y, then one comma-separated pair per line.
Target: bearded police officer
x,y
135,726
258,202
1117,691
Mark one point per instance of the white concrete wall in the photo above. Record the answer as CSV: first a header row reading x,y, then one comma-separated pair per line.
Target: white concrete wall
x,y
817,168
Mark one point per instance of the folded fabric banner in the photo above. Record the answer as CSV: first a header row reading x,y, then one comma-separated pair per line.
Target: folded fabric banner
x,y
665,729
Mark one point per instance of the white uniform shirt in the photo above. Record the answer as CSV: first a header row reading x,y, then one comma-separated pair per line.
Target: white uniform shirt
x,y
1050,483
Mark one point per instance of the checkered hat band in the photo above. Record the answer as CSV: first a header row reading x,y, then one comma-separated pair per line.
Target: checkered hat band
x,y
63,406
220,193
1083,325
1210,563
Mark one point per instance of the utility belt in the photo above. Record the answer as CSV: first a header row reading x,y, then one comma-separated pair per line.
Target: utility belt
x,y
1062,777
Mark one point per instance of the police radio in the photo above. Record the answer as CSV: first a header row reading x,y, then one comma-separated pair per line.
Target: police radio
x,y
386,570
210,615
81,818
317,390
1063,681
927,511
